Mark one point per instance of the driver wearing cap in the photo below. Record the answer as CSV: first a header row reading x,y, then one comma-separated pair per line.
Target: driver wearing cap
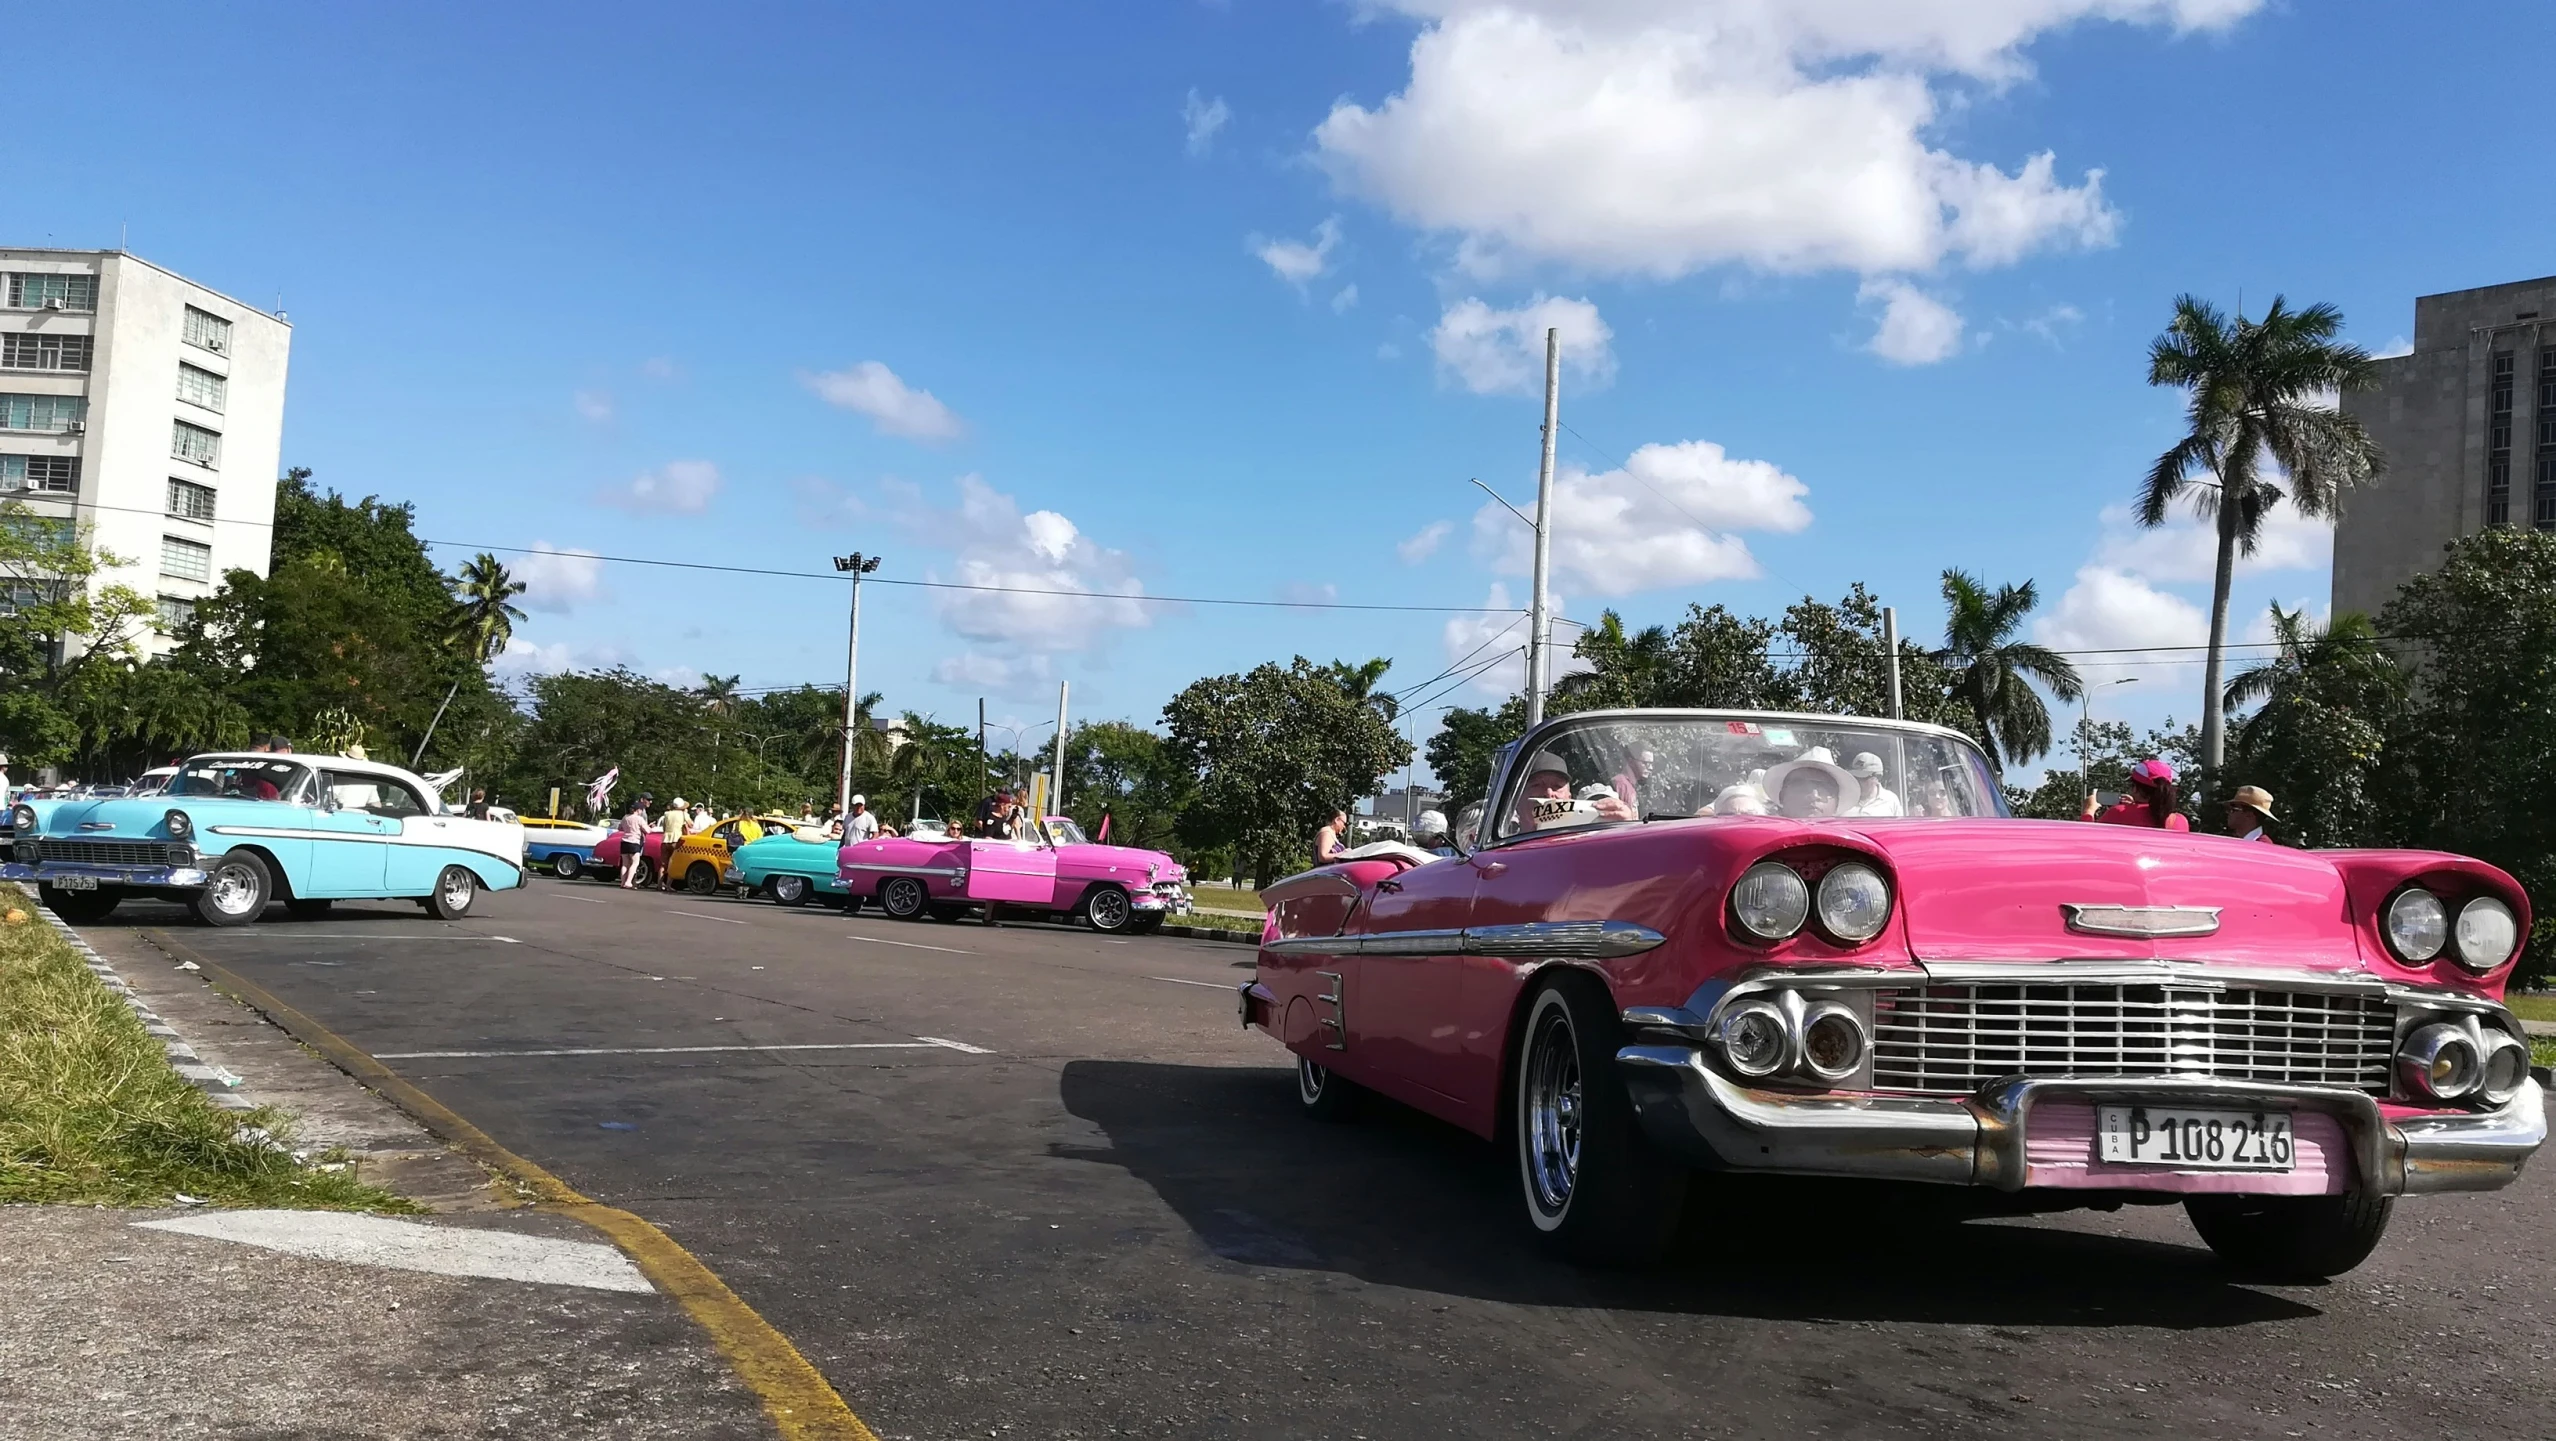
x,y
1872,797
1546,799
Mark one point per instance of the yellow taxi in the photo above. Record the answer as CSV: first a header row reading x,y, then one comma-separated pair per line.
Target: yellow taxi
x,y
699,861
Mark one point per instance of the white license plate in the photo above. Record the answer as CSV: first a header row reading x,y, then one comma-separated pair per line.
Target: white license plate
x,y
74,883
2197,1140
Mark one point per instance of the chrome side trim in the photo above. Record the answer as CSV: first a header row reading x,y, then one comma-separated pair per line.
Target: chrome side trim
x,y
2142,921
955,871
1558,940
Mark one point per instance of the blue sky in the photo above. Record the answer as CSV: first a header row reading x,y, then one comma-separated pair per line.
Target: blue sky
x,y
1230,300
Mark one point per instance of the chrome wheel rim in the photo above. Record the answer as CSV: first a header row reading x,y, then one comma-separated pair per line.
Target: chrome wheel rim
x,y
789,888
234,890
1109,910
1553,1114
1310,1079
457,888
565,867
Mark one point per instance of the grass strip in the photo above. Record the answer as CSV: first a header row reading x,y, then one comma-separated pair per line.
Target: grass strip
x,y
1249,925
91,1114
2531,1006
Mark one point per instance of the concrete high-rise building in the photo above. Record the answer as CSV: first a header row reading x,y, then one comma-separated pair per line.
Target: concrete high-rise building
x,y
2468,422
146,408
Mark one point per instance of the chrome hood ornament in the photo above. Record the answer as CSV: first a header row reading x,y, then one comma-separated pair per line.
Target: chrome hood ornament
x,y
2142,921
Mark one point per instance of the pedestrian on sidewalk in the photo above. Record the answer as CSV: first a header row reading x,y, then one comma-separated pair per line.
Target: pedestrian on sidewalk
x,y
634,839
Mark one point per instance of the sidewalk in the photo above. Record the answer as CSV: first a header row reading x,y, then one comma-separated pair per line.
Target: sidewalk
x,y
485,1319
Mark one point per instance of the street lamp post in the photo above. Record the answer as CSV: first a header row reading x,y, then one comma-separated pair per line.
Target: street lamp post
x,y
855,565
2085,713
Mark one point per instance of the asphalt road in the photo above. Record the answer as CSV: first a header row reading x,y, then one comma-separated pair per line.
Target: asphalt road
x,y
1104,1217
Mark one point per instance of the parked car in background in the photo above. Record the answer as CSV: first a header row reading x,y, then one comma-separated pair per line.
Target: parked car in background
x,y
700,862
1634,992
565,848
233,833
792,865
652,856
153,781
1056,874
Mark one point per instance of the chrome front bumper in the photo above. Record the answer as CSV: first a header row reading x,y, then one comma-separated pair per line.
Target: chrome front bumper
x,y
1694,1112
160,878
1171,902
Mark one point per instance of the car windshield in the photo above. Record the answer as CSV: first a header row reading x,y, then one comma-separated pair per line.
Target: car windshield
x,y
1627,768
1064,832
241,778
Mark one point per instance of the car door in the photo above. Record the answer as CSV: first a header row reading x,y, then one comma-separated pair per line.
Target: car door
x,y
420,842
1404,995
348,839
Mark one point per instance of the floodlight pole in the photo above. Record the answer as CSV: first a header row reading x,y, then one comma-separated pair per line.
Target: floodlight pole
x,y
1539,642
1056,787
1890,644
855,565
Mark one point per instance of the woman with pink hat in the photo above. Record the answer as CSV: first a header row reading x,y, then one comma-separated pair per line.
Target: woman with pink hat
x,y
2152,800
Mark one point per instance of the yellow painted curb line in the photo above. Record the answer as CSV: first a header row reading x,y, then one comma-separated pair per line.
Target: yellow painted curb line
x,y
795,1395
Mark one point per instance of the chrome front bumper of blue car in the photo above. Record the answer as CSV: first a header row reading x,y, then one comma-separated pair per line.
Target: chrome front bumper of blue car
x,y
81,876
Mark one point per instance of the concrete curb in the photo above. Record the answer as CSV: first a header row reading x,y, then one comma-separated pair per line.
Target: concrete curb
x,y
218,1084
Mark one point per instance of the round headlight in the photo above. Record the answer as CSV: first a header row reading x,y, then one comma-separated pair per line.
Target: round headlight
x,y
1854,902
22,818
1833,1042
2417,924
1753,1039
180,828
2439,1063
2487,932
2506,1067
1771,901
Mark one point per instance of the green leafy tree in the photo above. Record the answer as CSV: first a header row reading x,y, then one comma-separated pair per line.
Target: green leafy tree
x,y
2330,698
60,626
1276,751
1993,672
1467,742
1623,669
1358,682
2105,752
2255,391
584,723
2467,768
1133,775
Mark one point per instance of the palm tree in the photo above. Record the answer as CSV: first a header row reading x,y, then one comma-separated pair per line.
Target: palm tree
x,y
2255,388
1625,670
482,620
719,692
1358,682
1992,671
2301,646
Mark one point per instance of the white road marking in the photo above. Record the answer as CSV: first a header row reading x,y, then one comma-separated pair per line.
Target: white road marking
x,y
415,1246
919,1043
911,945
1115,941
360,936
1177,981
696,915
586,900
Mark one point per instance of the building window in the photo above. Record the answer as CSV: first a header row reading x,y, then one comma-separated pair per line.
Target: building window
x,y
189,501
207,331
53,292
2542,504
202,387
175,611
18,592
2498,444
195,443
54,474
42,412
31,351
185,559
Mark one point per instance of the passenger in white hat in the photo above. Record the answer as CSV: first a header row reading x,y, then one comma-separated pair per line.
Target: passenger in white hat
x,y
1874,798
1812,788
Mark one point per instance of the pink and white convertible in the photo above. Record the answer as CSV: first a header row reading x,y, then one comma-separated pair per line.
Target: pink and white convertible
x,y
1058,875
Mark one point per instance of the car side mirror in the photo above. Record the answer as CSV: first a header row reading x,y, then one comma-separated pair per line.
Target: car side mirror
x,y
327,803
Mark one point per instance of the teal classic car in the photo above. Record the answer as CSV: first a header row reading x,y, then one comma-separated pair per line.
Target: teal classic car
x,y
233,833
792,867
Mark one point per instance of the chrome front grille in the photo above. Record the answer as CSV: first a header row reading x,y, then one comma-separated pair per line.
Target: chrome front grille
x,y
1957,1037
109,853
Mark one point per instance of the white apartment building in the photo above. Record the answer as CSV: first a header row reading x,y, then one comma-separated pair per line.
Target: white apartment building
x,y
147,409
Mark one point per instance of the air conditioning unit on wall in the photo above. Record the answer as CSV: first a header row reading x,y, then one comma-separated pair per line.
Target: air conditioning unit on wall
x,y
57,303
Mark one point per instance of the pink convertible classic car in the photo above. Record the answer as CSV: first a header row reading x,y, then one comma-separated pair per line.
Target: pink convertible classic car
x,y
1058,874
1756,954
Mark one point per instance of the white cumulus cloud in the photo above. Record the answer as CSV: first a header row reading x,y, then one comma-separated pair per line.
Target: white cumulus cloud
x,y
1300,262
873,390
1016,676
1424,543
594,405
1659,137
1200,119
1670,517
2396,345
1054,587
678,487
1494,352
2186,548
1915,328
558,579
2135,630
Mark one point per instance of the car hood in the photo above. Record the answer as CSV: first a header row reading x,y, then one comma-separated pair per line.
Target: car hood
x,y
1999,890
118,819
1123,857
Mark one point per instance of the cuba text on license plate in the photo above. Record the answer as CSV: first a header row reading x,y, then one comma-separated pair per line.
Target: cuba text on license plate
x,y
2197,1140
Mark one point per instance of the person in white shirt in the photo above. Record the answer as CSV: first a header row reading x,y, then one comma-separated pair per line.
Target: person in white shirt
x,y
1875,798
2248,809
860,825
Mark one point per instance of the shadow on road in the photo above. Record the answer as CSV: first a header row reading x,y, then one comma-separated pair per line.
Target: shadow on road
x,y
1400,1199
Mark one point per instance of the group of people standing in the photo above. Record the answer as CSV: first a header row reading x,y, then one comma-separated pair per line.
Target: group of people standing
x,y
2153,801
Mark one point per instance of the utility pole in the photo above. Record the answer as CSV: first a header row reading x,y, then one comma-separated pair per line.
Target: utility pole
x,y
984,767
1056,787
856,565
1539,622
1890,643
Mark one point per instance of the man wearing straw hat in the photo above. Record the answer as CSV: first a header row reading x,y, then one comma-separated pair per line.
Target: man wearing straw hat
x,y
2248,809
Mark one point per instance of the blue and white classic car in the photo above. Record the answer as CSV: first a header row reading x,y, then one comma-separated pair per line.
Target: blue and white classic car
x,y
232,833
